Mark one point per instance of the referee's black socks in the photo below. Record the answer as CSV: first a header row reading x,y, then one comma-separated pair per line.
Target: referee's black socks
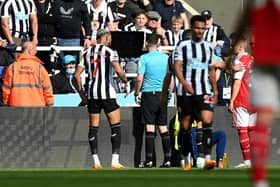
x,y
149,147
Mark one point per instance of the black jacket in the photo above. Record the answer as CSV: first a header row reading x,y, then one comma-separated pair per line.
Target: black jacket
x,y
46,22
70,15
61,83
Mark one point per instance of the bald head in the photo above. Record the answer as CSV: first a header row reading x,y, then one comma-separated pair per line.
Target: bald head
x,y
29,47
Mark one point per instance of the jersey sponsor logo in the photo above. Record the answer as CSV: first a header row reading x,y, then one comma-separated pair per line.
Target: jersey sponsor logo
x,y
21,16
195,63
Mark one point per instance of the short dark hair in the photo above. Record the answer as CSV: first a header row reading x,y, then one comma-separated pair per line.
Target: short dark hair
x,y
152,39
226,51
187,34
198,18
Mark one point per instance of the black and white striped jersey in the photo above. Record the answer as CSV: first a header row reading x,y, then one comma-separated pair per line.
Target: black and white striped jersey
x,y
132,27
196,58
19,12
214,33
173,38
97,61
102,14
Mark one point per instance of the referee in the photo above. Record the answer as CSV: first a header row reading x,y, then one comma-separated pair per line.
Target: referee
x,y
194,69
100,63
19,21
151,72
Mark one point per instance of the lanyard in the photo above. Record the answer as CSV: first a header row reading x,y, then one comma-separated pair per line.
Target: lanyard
x,y
227,78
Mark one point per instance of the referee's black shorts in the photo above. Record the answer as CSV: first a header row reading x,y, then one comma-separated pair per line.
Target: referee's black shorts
x,y
152,113
95,105
193,105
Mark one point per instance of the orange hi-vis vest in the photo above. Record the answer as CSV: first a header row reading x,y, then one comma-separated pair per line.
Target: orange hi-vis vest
x,y
27,83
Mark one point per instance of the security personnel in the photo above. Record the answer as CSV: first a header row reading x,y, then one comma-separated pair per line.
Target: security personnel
x,y
26,82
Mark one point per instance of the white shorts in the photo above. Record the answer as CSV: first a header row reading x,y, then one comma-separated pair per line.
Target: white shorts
x,y
243,119
265,89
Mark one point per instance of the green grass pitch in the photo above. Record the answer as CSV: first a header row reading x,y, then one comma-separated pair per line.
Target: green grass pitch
x,y
174,177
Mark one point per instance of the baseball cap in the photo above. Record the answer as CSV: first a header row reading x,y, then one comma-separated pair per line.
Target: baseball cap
x,y
67,59
153,15
206,13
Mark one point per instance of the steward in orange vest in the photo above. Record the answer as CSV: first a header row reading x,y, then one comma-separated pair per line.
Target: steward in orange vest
x,y
26,82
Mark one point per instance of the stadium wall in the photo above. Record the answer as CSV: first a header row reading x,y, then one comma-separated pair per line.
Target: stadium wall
x,y
57,138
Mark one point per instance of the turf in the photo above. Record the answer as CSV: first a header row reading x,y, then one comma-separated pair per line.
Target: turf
x,y
130,177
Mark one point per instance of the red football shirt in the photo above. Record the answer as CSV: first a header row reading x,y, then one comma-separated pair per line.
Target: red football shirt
x,y
265,25
243,97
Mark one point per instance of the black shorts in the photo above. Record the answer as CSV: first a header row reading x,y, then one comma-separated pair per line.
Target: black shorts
x,y
95,105
193,105
152,113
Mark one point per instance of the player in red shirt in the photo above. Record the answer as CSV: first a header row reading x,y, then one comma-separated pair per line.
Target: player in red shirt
x,y
262,18
244,118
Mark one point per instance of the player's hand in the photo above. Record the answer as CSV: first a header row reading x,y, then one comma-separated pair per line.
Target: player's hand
x,y
169,95
137,99
84,101
230,107
127,88
188,88
215,99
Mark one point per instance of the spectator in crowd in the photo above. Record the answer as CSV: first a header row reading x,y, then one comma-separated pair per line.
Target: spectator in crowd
x,y
100,61
19,21
151,71
244,118
266,75
139,25
1,30
100,15
114,26
63,82
154,24
121,9
139,5
176,33
214,33
70,16
224,76
169,8
194,93
46,29
4,62
26,82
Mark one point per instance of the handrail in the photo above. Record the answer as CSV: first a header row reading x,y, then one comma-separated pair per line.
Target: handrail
x,y
189,8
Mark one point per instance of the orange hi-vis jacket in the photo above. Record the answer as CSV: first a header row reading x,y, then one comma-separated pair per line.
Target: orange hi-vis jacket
x,y
27,83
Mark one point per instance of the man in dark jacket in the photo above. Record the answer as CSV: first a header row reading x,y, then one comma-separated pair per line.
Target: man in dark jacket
x,y
46,29
70,16
63,82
